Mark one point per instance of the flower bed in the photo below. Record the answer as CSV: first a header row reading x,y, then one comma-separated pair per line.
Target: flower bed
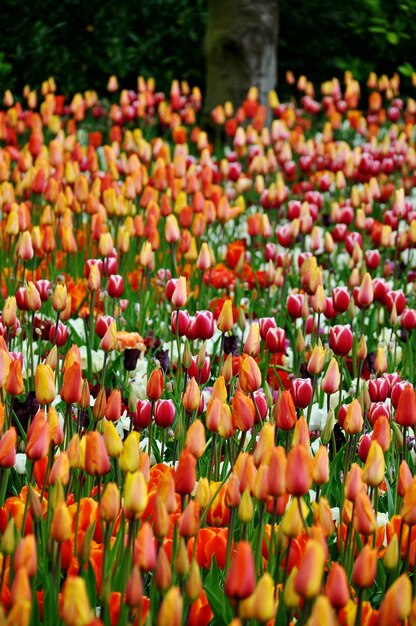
x,y
207,358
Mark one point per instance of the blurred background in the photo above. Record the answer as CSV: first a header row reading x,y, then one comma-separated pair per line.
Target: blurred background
x,y
222,46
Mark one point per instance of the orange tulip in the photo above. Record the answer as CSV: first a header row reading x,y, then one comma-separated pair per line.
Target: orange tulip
x,y
284,411
155,384
406,409
365,568
353,422
97,462
195,439
26,555
408,511
110,503
243,411
337,588
308,579
14,380
8,448
192,396
397,602
72,383
321,466
113,406
277,472
38,438
241,578
185,474
299,471
189,520
364,519
249,375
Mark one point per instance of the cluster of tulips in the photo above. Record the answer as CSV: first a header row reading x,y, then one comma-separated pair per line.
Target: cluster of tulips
x,y
207,358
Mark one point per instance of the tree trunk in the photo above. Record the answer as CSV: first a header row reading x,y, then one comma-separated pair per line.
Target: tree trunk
x,y
240,49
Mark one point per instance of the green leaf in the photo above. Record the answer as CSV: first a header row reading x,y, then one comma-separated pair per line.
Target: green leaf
x,y
222,610
392,38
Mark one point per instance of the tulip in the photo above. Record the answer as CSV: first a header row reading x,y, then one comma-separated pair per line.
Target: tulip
x,y
14,381
146,554
331,380
405,478
391,555
185,474
188,525
72,383
164,413
243,411
397,602
75,608
249,375
170,611
408,511
179,297
113,406
163,574
277,472
203,325
322,613
60,470
109,507
316,361
276,340
340,339
353,422
374,468
113,443
299,471
321,466
97,462
225,320
115,286
130,456
192,396
135,495
8,448
109,342
252,343
241,578
25,554
364,520
301,391
195,439
61,525
44,384
406,408
308,580
336,588
38,438
365,294
155,385
9,312
134,589
284,411
365,568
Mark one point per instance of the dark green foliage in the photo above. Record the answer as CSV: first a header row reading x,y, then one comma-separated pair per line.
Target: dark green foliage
x,y
82,43
324,38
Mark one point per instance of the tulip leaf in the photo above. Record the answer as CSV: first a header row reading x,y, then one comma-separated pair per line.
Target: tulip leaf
x,y
222,610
